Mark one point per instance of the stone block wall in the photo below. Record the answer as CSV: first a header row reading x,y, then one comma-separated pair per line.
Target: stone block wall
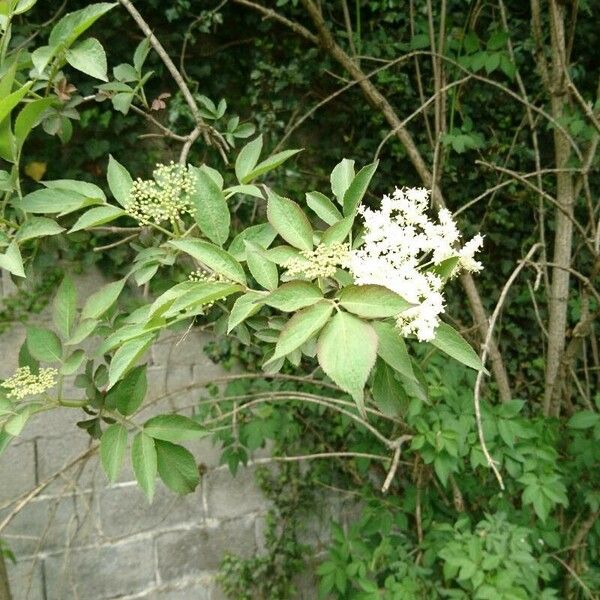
x,y
81,538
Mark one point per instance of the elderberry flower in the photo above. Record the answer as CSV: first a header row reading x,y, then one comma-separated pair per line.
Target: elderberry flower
x,y
166,197
323,261
25,383
402,246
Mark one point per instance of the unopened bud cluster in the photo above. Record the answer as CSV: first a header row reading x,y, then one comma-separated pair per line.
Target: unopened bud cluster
x,y
166,197
25,383
205,276
323,261
402,247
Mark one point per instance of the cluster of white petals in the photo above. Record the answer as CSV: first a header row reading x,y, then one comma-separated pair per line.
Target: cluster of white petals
x,y
402,245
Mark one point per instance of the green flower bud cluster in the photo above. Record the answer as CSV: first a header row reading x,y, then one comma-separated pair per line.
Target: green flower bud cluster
x,y
166,197
207,277
25,383
323,261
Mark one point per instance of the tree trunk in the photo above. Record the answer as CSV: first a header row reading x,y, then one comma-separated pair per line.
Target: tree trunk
x,y
559,289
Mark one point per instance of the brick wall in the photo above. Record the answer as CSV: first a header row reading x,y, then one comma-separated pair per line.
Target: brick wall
x,y
84,539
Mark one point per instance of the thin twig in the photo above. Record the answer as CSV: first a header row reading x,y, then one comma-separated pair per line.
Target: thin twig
x,y
26,498
395,460
576,577
210,135
484,353
115,244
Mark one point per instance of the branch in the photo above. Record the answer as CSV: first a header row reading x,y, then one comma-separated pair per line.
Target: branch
x,y
210,135
484,353
395,460
271,14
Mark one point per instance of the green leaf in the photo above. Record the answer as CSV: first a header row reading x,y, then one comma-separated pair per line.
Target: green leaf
x,y
125,334
268,165
44,344
72,363
166,299
174,428
140,54
122,101
289,221
247,158
72,25
200,293
41,56
144,461
444,464
341,178
97,216
392,350
323,207
54,200
11,100
281,254
248,190
125,73
215,258
245,306
585,419
14,425
448,340
357,189
119,181
372,301
293,296
446,267
126,357
262,234
211,210
12,261
129,393
388,394
177,467
99,302
89,190
421,40
36,227
88,57
113,444
22,6
64,307
82,331
262,269
347,349
5,440
300,328
339,231
28,118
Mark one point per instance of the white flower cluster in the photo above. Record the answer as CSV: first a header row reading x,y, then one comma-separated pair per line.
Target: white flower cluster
x,y
166,197
401,244
323,261
25,383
